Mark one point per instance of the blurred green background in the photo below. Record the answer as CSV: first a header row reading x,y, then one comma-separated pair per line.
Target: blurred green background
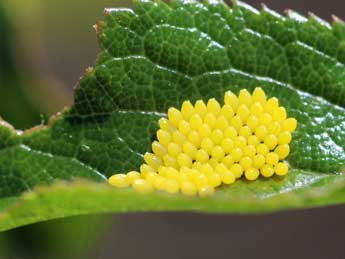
x,y
45,46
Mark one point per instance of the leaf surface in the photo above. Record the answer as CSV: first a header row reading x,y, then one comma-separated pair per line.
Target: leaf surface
x,y
156,56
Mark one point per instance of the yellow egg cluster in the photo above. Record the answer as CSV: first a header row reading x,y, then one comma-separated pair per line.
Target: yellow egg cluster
x,y
203,146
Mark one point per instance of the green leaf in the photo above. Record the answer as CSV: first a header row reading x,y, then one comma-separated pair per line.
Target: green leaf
x,y
157,56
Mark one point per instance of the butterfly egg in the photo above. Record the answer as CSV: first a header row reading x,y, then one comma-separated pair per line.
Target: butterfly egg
x,y
184,128
174,116
174,149
279,114
249,151
228,161
253,140
245,131
258,161
210,119
262,149
207,144
205,130
267,171
170,161
236,154
281,169
202,156
164,124
272,158
271,104
246,162
259,95
145,169
200,108
172,173
217,153
261,132
251,174
164,137
217,136
284,138
159,183
240,142
189,149
290,124
132,176
230,132
274,128
243,112
142,186
227,177
282,151
236,122
271,141
178,137
252,122
188,188
195,121
200,181
265,119
227,144
237,170
256,109
214,180
231,99
184,160
158,149
152,160
245,97
221,123
172,186
194,138
151,178
227,112
213,106
187,110
119,181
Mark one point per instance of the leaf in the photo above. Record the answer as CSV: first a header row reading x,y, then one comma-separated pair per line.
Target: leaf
x,y
157,56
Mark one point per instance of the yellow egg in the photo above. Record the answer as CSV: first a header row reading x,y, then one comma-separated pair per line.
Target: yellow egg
x,y
164,124
210,119
132,176
145,169
171,186
262,149
184,160
217,153
290,124
258,161
274,128
205,131
170,161
231,99
227,112
279,114
194,138
236,122
237,170
271,141
152,160
259,95
214,180
188,188
206,169
282,151
267,171
230,132
187,110
256,109
281,169
178,137
265,119
200,108
158,149
189,149
253,140
228,177
184,127
251,174
202,156
119,181
217,136
236,154
240,142
245,97
284,138
227,145
159,183
207,145
271,104
213,106
261,132
272,158
252,122
195,121
174,149
221,123
246,162
142,186
249,151
245,131
174,116
164,137
243,112
228,161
